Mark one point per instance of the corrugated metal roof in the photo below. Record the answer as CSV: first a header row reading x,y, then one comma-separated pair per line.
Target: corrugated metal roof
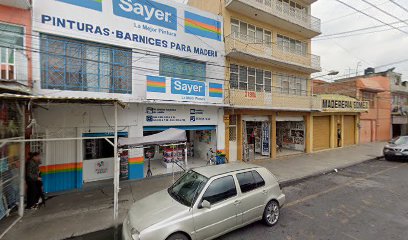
x,y
59,99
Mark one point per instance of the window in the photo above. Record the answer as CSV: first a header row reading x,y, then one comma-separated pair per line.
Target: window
x,y
97,149
243,78
249,181
370,96
292,45
268,38
187,188
251,33
235,27
243,30
268,81
251,79
259,80
260,182
259,35
220,190
234,76
12,38
68,64
285,85
182,68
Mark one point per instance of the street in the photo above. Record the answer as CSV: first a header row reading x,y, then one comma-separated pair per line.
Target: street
x,y
366,201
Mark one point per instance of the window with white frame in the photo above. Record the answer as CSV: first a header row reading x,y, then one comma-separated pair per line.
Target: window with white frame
x,y
11,39
250,33
250,79
291,85
294,46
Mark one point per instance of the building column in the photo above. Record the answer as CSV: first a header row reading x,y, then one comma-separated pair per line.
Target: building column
x,y
342,131
239,137
333,131
309,132
357,129
272,120
227,136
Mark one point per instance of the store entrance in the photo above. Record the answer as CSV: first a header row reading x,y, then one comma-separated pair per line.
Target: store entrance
x,y
290,137
201,145
257,144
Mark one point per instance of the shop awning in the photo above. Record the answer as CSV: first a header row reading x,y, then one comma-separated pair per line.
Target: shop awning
x,y
168,136
191,128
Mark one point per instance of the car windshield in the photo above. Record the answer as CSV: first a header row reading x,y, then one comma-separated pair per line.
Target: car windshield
x,y
186,189
400,140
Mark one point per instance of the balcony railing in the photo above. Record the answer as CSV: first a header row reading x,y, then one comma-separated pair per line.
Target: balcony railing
x,y
270,51
285,12
272,100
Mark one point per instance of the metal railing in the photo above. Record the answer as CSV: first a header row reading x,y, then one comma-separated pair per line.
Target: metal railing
x,y
249,45
286,12
258,99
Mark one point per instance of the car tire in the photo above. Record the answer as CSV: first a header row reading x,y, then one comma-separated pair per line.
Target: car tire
x,y
271,213
178,236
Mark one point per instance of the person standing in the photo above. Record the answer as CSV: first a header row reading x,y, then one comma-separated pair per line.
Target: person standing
x,y
33,180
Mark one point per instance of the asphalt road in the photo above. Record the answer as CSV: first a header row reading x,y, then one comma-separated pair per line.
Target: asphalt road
x,y
364,202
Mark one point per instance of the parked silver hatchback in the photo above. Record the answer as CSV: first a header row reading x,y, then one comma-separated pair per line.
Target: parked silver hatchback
x,y
206,203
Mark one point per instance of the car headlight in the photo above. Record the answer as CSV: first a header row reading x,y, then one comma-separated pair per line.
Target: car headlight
x,y
135,234
386,150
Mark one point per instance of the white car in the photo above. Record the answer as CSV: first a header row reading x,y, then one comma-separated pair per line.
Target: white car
x,y
206,203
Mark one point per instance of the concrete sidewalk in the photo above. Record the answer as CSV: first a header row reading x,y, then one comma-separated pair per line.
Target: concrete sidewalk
x,y
90,210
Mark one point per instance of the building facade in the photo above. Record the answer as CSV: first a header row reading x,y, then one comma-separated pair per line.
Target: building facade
x,y
168,67
15,78
399,108
268,67
375,124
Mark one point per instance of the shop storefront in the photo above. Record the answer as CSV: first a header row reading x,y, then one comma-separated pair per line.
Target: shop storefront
x,y
256,137
290,135
204,129
338,124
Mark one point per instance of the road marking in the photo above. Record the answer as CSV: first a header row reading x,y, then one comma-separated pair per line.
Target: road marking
x,y
315,195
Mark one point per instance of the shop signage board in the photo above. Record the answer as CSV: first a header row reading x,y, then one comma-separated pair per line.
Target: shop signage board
x,y
184,90
174,115
265,139
159,25
340,103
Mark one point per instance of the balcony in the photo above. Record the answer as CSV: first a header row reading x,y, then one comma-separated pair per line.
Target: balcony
x,y
243,47
282,15
276,101
23,4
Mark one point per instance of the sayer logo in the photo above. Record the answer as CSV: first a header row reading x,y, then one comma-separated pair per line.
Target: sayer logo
x,y
187,87
147,11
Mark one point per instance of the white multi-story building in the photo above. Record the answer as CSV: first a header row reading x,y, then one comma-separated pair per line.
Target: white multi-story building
x,y
165,60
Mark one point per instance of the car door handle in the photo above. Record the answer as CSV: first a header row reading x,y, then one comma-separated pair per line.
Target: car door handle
x,y
237,202
264,191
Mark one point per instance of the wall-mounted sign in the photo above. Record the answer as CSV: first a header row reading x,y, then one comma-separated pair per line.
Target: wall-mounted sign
x,y
340,103
155,25
167,115
174,89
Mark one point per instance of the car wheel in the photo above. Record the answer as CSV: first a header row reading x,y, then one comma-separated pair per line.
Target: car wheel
x,y
271,213
178,236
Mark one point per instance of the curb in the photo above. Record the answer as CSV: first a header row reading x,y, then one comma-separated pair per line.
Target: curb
x,y
294,181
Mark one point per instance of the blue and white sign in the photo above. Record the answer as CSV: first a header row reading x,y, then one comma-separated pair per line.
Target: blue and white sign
x,y
182,90
147,11
265,139
188,87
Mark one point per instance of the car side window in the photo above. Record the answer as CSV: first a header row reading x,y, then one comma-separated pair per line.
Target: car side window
x,y
246,181
220,190
249,181
260,182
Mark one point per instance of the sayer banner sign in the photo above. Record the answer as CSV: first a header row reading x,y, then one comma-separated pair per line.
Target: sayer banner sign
x,y
165,88
160,26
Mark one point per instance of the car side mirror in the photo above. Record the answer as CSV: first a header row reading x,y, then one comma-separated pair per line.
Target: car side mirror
x,y
206,204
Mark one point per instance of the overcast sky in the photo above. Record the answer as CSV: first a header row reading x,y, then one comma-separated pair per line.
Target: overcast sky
x,y
344,54
373,49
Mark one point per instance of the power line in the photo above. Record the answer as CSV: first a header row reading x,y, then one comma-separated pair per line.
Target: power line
x,y
366,14
355,30
385,12
356,34
399,5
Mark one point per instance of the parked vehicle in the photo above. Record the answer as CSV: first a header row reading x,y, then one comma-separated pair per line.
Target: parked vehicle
x,y
397,149
205,203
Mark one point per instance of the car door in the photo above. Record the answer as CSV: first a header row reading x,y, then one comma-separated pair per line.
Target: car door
x,y
253,195
221,217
